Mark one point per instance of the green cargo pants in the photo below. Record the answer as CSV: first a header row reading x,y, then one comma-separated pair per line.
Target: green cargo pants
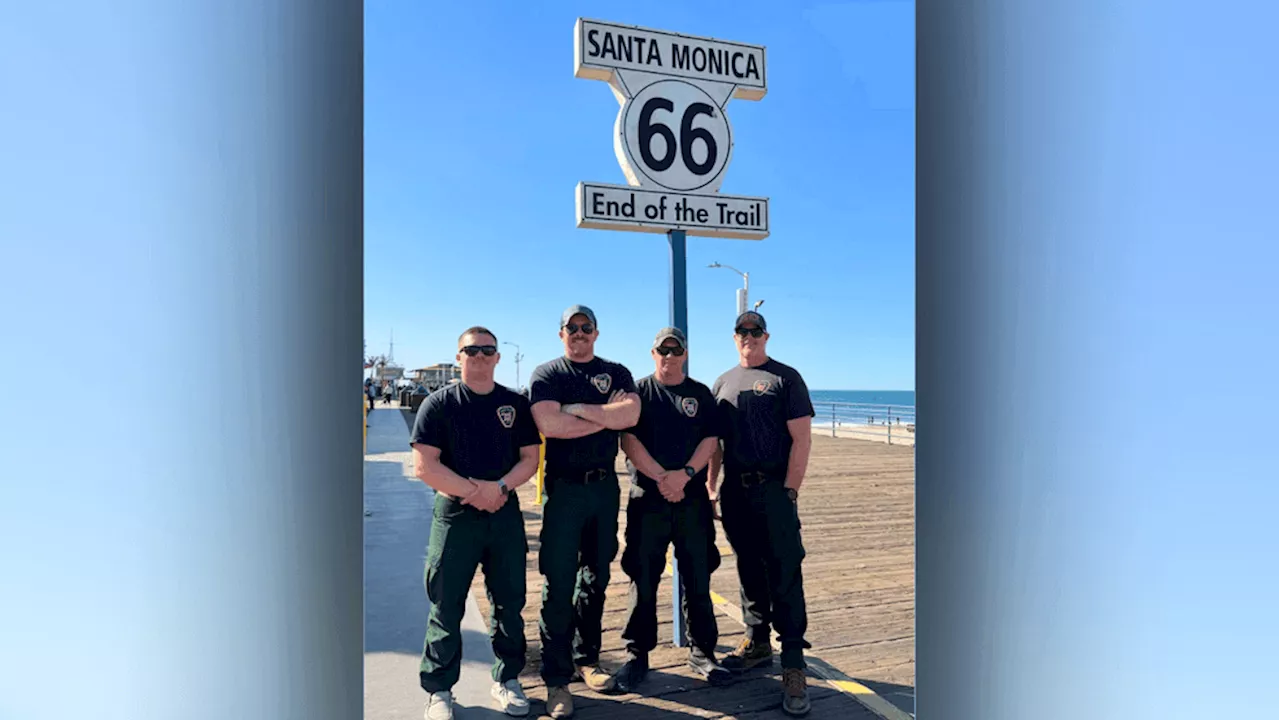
x,y
578,543
463,538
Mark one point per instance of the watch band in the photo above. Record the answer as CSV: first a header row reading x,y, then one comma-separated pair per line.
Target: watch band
x,y
503,485
688,470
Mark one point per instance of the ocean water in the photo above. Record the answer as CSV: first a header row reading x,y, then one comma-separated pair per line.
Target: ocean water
x,y
870,397
875,407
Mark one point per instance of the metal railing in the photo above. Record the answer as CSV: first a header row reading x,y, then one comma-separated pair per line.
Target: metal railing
x,y
866,420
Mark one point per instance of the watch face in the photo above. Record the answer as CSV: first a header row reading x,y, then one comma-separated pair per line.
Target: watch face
x,y
689,471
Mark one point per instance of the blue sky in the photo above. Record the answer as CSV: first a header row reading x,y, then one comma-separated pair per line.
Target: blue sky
x,y
476,134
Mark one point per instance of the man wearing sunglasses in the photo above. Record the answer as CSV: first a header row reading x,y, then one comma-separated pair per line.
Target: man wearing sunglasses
x,y
580,402
670,448
766,415
474,442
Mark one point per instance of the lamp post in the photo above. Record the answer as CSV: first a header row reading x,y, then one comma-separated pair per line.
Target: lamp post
x,y
744,293
519,357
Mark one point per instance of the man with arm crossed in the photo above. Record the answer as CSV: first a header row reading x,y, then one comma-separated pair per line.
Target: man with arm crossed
x,y
580,402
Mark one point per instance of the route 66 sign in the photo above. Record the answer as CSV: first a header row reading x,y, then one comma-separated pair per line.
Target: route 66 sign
x,y
672,137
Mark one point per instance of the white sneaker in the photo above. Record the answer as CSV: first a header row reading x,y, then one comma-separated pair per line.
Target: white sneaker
x,y
439,706
510,697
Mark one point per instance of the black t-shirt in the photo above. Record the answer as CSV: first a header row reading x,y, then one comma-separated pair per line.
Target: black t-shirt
x,y
479,436
673,420
590,383
755,405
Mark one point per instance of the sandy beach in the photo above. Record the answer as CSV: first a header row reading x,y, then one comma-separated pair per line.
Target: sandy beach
x,y
896,435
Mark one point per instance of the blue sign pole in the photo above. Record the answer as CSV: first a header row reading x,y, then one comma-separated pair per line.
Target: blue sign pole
x,y
679,319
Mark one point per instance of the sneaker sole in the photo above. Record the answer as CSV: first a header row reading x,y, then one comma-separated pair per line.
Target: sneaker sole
x,y
796,713
507,709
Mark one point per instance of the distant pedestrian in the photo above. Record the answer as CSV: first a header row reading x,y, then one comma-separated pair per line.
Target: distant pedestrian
x,y
370,393
580,402
474,442
766,417
670,448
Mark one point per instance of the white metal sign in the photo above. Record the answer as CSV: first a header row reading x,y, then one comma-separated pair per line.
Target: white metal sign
x,y
621,207
672,137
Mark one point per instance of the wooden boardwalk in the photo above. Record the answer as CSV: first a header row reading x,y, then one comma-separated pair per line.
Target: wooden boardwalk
x,y
857,516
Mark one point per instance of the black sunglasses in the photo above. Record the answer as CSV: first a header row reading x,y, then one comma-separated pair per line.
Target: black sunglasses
x,y
753,332
664,351
474,350
586,328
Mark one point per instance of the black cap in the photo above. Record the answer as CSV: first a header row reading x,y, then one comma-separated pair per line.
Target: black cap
x,y
670,333
750,316
578,310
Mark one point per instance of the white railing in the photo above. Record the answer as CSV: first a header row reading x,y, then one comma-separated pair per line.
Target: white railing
x,y
866,420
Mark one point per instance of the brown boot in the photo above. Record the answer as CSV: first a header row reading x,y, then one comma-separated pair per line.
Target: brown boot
x,y
795,692
559,702
596,678
747,655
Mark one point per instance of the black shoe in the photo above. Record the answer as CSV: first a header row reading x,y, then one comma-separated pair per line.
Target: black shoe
x,y
749,653
631,674
709,669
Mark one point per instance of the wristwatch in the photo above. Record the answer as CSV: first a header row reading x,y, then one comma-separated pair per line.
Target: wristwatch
x,y
688,470
793,494
502,484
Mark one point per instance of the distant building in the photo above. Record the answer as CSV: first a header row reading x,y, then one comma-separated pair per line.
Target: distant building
x,y
434,377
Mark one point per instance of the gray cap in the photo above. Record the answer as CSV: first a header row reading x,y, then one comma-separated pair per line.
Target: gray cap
x,y
578,310
672,333
750,316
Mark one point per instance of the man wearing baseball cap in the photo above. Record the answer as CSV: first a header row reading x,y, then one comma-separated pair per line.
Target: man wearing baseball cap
x,y
670,448
580,402
766,415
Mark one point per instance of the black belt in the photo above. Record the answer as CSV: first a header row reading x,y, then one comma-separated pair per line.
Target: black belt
x,y
757,477
583,477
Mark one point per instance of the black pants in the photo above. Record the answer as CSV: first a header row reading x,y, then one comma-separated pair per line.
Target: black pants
x,y
370,402
653,524
579,541
463,538
763,527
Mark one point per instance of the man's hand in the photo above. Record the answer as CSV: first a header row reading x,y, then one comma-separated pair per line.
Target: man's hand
x,y
487,497
714,495
671,485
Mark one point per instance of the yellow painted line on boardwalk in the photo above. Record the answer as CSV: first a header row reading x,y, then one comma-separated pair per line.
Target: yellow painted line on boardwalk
x,y
864,695
851,687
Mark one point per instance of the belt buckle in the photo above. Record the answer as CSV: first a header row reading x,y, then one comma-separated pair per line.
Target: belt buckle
x,y
752,478
592,476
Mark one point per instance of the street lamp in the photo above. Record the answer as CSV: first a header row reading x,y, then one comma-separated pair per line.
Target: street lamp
x,y
519,357
744,293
